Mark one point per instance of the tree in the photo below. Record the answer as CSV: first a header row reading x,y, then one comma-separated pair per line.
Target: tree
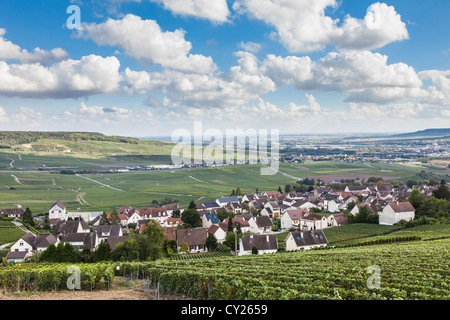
x,y
184,248
28,217
229,240
238,229
176,213
191,218
233,193
432,207
416,198
442,192
254,250
127,251
103,252
155,233
230,225
114,218
211,242
49,255
69,253
279,189
104,220
192,205
46,225
350,206
239,191
86,255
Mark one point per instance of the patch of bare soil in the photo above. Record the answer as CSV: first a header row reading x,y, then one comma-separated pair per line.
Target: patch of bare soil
x,y
80,295
119,291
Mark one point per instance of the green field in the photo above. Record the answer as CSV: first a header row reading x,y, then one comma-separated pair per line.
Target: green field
x,y
9,232
356,231
39,190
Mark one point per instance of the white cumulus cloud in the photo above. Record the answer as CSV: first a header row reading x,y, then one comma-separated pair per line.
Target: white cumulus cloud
x,y
144,41
303,26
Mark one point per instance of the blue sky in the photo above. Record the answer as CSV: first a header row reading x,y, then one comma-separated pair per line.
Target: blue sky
x,y
149,67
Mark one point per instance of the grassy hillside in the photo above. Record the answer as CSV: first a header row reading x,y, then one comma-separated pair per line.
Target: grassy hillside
x,y
9,232
56,154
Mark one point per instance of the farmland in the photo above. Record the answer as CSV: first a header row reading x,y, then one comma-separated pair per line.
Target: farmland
x,y
39,190
9,232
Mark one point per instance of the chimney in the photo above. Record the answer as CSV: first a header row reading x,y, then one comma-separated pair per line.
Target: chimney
x,y
189,232
267,238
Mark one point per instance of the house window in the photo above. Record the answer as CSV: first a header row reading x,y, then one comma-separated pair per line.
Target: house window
x,y
192,248
21,243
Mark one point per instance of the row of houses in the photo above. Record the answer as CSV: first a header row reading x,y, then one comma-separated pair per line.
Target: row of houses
x,y
78,233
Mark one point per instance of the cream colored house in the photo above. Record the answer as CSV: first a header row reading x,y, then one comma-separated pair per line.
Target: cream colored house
x,y
396,212
305,240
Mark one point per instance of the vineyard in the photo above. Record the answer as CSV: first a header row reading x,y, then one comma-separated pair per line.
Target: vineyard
x,y
411,270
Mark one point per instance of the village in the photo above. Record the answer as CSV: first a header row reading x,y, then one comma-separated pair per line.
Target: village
x,y
256,217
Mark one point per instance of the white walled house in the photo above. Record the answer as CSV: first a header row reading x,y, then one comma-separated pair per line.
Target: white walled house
x,y
57,211
305,240
264,243
217,232
292,218
24,244
134,218
261,224
396,212
27,244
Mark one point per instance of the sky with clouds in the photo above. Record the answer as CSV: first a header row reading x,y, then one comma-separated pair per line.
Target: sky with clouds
x,y
148,67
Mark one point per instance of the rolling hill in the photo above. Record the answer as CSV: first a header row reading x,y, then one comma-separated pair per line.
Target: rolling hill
x,y
431,133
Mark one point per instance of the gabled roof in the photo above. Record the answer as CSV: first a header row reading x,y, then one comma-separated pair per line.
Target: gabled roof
x,y
16,255
59,204
212,217
192,236
112,230
228,199
44,241
263,222
261,242
14,211
70,226
308,238
114,241
296,214
402,206
209,205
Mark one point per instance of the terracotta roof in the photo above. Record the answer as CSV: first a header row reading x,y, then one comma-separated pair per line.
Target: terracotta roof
x,y
171,233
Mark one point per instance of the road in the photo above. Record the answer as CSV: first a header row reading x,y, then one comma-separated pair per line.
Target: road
x,y
100,183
